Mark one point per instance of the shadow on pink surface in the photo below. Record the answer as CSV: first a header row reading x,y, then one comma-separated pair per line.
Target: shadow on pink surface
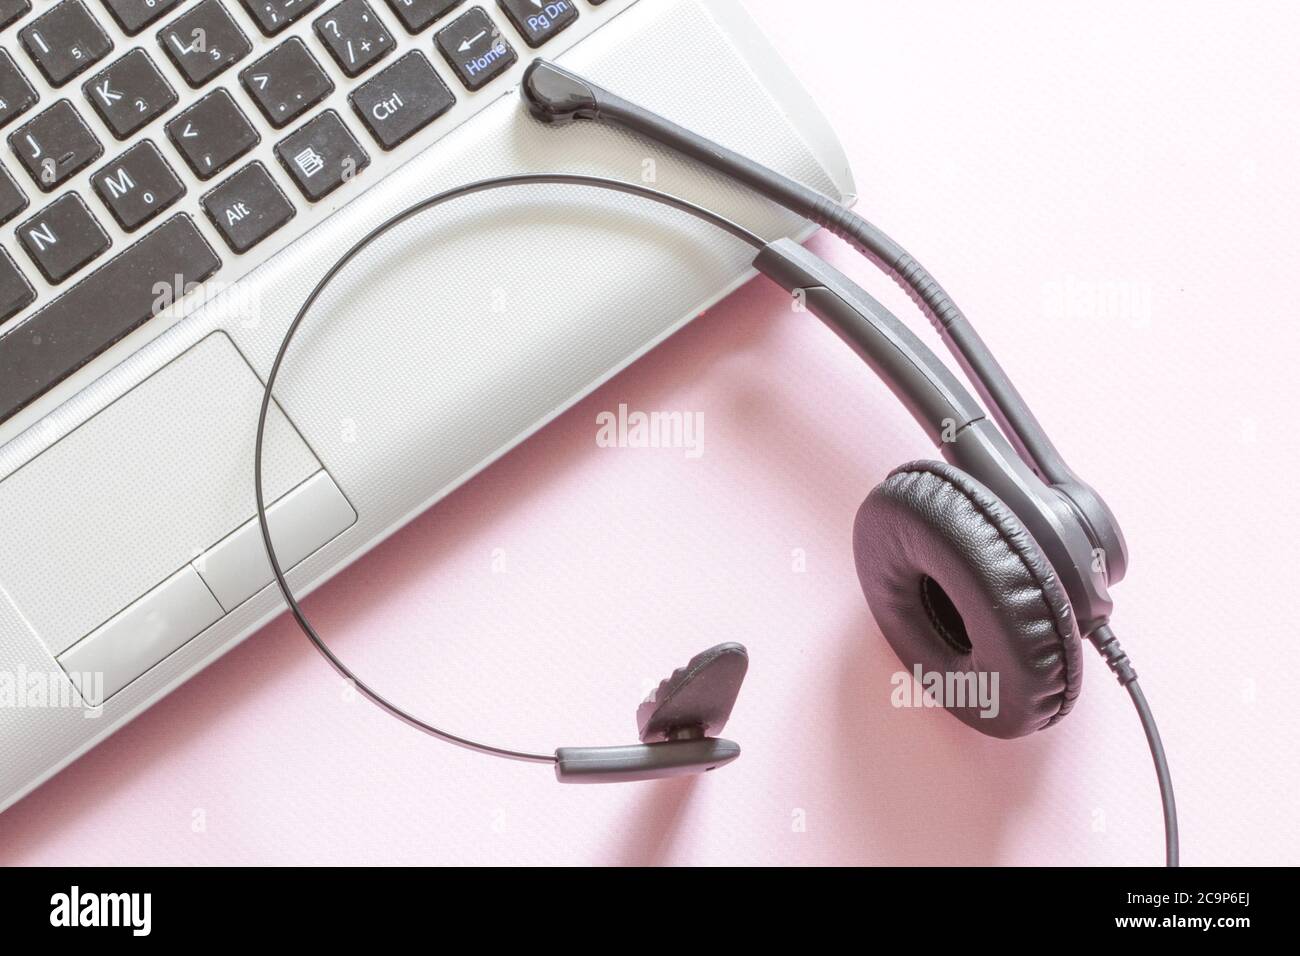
x,y
912,792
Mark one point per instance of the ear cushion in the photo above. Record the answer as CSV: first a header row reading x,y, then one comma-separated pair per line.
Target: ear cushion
x,y
959,586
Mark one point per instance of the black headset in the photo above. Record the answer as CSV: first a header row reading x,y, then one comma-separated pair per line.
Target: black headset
x,y
995,560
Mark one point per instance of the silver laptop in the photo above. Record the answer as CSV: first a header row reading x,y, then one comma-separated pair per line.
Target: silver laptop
x,y
177,175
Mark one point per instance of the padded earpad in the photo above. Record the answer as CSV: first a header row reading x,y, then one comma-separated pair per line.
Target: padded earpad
x,y
957,586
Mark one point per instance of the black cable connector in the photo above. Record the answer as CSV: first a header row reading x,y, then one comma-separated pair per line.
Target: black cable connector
x,y
1107,644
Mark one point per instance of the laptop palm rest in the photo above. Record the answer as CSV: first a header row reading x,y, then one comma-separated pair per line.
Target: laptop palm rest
x,y
116,564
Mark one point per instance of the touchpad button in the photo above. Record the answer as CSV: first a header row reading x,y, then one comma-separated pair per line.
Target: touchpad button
x,y
130,497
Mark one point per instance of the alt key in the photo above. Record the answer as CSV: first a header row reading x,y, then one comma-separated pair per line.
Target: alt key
x,y
247,207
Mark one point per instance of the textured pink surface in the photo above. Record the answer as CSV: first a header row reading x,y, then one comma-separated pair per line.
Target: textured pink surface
x,y
1110,192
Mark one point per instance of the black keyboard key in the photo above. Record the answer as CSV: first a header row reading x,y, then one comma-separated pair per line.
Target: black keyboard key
x,y
63,237
16,293
247,207
11,11
475,48
98,311
65,41
355,36
212,134
539,20
55,145
321,156
272,16
286,82
417,15
129,94
402,99
204,42
12,199
137,186
134,15
16,94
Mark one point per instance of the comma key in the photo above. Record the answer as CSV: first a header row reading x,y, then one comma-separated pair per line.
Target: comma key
x,y
212,133
401,100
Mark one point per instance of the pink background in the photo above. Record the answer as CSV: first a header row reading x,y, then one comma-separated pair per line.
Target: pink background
x,y
1110,192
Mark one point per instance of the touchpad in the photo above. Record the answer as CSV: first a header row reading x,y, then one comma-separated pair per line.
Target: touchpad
x,y
128,499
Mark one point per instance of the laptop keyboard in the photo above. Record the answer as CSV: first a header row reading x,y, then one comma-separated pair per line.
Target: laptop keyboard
x,y
93,295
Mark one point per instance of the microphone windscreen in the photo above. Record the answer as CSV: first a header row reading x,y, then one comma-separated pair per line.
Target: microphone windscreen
x,y
695,700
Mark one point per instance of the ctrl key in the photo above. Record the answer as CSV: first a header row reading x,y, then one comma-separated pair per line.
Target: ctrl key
x,y
398,102
247,207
